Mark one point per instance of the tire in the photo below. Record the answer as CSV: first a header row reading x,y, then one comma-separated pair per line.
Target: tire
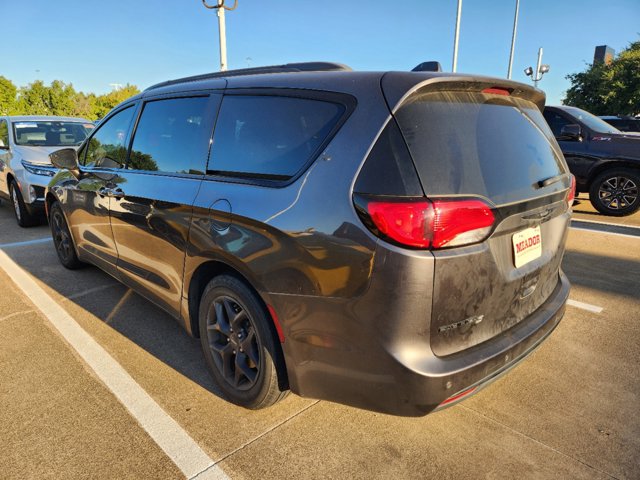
x,y
239,344
615,192
23,217
62,239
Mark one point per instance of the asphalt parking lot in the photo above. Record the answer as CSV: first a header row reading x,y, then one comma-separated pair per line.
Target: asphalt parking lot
x,y
98,383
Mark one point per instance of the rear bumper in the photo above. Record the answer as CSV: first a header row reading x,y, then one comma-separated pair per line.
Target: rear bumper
x,y
394,370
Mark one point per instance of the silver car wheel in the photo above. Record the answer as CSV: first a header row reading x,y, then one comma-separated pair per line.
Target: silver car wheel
x,y
16,203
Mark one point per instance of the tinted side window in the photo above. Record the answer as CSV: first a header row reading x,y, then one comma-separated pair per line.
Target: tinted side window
x,y
172,136
555,121
270,137
4,134
107,147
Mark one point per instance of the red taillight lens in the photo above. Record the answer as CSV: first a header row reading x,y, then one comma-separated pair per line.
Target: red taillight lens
x,y
405,222
432,223
460,222
571,196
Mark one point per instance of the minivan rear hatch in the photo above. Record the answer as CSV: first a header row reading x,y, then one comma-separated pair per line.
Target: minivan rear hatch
x,y
478,139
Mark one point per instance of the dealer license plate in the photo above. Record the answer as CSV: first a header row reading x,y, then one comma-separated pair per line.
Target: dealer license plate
x,y
527,246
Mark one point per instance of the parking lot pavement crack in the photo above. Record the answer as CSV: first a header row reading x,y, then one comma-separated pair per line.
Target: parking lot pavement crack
x,y
522,434
15,314
266,432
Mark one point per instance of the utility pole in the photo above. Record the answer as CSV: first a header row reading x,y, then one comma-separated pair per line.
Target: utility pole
x,y
220,7
513,39
456,38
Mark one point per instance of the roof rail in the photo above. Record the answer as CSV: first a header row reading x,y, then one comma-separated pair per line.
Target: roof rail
x,y
286,68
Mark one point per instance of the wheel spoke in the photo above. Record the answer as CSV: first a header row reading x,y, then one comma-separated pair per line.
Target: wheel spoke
x,y
221,322
243,370
250,348
237,321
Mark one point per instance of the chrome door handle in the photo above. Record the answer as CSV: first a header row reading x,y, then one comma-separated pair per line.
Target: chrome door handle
x,y
116,192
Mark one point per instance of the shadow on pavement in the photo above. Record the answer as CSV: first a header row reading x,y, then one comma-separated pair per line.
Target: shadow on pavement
x,y
604,273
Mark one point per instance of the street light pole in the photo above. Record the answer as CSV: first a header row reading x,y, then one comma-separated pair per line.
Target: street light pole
x,y
222,29
456,37
220,7
538,76
540,70
513,39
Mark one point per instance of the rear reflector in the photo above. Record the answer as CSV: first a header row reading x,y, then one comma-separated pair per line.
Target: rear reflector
x,y
571,195
276,323
423,223
458,396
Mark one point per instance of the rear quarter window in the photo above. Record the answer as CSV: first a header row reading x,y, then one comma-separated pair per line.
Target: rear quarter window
x,y
270,137
466,143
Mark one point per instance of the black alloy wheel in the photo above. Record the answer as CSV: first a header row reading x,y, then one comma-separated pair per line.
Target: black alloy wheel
x,y
239,344
62,239
615,192
23,217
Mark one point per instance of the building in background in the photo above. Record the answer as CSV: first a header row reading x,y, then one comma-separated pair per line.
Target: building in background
x,y
603,54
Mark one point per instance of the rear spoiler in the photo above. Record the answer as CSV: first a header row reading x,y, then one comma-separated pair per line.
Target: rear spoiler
x,y
398,86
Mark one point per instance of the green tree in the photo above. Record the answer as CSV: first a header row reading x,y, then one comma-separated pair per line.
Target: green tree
x,y
104,103
34,99
61,98
608,89
8,92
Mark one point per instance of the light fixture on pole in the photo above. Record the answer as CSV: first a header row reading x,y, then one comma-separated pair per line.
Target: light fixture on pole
x,y
540,70
220,7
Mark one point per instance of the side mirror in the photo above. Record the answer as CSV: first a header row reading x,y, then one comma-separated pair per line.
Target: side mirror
x,y
571,132
66,158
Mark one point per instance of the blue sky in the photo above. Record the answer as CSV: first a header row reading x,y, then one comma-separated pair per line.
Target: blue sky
x,y
93,44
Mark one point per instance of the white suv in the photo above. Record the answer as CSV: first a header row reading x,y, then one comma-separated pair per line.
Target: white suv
x,y
25,169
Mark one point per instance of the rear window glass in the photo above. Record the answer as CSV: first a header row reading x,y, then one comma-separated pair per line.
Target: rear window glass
x,y
268,136
467,143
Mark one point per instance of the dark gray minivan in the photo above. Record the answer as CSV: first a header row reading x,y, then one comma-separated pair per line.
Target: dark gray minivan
x,y
387,240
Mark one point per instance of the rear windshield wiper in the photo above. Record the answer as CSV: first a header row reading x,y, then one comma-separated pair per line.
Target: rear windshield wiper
x,y
548,181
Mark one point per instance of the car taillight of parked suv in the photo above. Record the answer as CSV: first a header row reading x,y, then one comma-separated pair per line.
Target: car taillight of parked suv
x,y
386,240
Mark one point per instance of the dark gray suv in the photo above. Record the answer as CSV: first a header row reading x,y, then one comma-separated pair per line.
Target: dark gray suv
x,y
390,241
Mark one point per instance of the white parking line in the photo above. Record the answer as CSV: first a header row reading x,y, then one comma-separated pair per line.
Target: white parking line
x,y
584,306
637,237
92,290
25,243
164,430
610,224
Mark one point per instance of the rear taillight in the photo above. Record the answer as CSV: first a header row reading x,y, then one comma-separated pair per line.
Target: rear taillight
x,y
405,222
571,195
460,222
423,223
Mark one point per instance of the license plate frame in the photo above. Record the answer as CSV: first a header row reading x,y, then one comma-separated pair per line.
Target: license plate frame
x,y
527,245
